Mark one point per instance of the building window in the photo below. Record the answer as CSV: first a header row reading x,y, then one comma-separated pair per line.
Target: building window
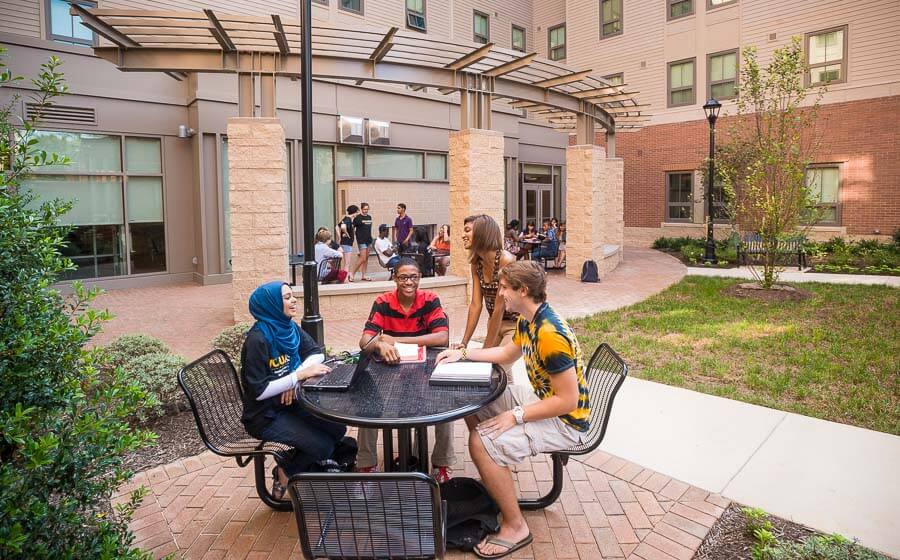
x,y
322,2
415,14
615,79
679,196
117,220
710,4
518,38
393,164
610,18
721,75
66,28
556,39
826,55
824,184
436,167
681,83
355,6
680,8
481,28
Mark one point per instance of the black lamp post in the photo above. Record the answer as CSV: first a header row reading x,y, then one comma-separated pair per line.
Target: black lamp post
x,y
311,322
711,108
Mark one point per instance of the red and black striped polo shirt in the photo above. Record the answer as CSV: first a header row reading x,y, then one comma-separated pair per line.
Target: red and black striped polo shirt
x,y
426,315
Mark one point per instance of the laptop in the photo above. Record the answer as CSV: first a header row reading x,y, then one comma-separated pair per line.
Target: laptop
x,y
341,376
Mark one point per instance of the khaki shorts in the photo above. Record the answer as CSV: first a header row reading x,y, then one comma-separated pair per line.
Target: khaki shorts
x,y
525,440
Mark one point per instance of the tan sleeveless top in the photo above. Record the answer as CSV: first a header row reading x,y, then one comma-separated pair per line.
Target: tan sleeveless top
x,y
489,289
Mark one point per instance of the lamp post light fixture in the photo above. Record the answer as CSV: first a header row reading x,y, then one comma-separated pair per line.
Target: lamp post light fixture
x,y
711,108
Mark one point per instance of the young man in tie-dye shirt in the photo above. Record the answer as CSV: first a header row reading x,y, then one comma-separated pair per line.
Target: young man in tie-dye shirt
x,y
551,415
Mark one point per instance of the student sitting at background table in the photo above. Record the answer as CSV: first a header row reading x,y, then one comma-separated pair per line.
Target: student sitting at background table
x,y
411,316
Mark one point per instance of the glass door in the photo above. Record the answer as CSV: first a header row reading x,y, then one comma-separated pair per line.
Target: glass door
x,y
538,203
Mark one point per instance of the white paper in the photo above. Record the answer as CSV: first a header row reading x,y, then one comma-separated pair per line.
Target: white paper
x,y
407,351
472,371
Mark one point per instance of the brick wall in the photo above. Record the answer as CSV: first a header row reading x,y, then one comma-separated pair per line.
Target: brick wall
x,y
426,202
862,135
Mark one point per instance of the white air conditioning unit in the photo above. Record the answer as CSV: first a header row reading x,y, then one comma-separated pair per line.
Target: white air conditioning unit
x,y
351,130
379,133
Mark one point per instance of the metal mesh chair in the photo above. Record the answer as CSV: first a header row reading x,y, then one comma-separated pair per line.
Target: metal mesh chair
x,y
604,374
327,267
214,393
369,516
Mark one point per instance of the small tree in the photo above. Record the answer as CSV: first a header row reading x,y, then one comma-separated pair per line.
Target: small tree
x,y
771,142
63,428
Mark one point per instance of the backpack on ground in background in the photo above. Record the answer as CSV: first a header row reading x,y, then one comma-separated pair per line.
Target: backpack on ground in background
x,y
589,272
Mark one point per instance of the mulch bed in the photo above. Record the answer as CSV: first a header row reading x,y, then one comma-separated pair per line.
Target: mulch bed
x,y
178,438
779,293
728,539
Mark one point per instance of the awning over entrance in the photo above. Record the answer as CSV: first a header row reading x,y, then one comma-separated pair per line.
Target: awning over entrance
x,y
570,99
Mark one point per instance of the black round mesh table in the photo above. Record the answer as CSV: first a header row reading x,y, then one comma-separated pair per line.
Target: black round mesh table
x,y
400,397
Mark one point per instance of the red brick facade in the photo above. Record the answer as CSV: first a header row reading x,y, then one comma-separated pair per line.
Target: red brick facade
x,y
863,136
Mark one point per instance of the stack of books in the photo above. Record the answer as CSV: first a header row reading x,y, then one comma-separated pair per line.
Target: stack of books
x,y
411,353
462,373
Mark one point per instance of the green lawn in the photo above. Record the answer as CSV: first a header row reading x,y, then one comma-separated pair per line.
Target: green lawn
x,y
835,355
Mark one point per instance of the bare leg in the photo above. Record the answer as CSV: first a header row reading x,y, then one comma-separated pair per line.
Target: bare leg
x,y
364,261
499,484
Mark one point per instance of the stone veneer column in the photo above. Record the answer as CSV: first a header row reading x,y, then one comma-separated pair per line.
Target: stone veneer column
x,y
477,185
595,221
259,211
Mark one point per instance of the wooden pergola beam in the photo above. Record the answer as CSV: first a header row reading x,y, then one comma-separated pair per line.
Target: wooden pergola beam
x,y
384,46
470,58
511,66
280,37
597,92
219,32
563,80
99,27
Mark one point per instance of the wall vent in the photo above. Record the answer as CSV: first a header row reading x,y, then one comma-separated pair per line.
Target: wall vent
x,y
62,114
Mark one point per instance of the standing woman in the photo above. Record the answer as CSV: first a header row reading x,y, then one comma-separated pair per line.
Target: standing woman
x,y
346,236
276,357
441,247
483,239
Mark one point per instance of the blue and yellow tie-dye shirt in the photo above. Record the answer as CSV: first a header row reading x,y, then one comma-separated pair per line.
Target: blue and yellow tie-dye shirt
x,y
549,347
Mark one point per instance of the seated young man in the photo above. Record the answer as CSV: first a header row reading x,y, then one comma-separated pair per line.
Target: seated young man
x,y
413,316
551,415
384,248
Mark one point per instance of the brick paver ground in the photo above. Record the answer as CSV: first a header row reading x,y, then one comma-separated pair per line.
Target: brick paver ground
x,y
206,506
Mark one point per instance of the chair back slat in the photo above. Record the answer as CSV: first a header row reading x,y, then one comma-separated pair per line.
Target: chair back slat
x,y
604,374
214,393
377,515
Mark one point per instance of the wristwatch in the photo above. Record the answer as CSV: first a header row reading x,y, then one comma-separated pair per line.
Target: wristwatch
x,y
519,414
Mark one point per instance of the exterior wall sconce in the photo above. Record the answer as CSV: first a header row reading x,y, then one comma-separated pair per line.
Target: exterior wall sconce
x,y
185,131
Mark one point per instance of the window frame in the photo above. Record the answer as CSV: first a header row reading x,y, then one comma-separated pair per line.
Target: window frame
x,y
669,204
670,17
424,15
550,48
837,203
320,2
360,12
72,41
807,78
512,34
608,77
487,18
621,20
669,65
737,73
710,6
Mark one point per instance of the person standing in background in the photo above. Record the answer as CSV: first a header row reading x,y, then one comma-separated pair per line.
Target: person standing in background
x,y
362,225
345,236
403,228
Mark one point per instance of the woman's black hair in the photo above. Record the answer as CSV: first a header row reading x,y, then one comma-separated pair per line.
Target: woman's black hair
x,y
513,224
352,209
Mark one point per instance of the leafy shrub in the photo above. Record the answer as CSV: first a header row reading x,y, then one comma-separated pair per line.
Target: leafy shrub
x,y
897,237
157,375
64,426
127,347
692,253
230,341
676,243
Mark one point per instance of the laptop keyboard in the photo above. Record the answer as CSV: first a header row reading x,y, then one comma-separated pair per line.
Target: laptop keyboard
x,y
339,375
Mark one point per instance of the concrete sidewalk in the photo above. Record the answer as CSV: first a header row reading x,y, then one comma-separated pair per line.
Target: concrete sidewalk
x,y
798,276
829,476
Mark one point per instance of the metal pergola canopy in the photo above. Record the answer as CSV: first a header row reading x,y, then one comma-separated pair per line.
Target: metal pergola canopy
x,y
177,43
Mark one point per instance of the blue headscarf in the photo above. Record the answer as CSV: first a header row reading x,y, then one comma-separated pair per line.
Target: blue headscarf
x,y
281,332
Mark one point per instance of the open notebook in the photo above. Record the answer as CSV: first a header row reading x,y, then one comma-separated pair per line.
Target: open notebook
x,y
410,353
462,373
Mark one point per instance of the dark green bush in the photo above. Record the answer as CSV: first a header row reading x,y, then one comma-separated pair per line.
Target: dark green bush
x,y
230,341
63,427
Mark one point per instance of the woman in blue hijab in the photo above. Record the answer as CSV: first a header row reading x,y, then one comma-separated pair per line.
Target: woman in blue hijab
x,y
277,356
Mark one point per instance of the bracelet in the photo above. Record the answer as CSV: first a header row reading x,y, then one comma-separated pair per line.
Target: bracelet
x,y
464,356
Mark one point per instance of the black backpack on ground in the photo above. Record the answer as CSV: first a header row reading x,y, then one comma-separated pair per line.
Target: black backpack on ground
x,y
471,512
589,272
